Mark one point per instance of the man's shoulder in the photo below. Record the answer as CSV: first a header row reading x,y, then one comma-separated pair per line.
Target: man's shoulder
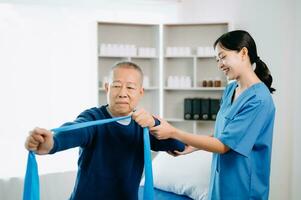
x,y
94,112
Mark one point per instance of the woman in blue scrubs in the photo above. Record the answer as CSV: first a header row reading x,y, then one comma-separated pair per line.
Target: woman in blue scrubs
x,y
242,140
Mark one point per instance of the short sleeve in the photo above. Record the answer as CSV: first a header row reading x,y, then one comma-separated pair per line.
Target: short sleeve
x,y
241,130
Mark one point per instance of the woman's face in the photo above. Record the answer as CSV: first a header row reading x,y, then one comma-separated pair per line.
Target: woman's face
x,y
229,61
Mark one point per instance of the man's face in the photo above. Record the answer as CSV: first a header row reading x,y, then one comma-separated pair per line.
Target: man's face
x,y
124,91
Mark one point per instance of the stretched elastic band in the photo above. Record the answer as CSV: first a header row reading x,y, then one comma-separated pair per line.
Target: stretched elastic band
x,y
148,193
31,182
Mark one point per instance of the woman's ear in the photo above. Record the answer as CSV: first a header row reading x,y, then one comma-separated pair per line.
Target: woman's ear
x,y
244,53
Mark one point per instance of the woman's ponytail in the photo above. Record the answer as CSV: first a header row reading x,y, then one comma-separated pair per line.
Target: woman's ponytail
x,y
263,73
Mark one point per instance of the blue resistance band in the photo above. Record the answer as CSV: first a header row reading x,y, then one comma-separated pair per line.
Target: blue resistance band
x,y
31,183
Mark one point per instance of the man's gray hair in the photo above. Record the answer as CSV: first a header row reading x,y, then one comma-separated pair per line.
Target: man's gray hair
x,y
127,64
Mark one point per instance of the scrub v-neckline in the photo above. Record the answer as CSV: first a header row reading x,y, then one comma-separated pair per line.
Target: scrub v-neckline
x,y
244,93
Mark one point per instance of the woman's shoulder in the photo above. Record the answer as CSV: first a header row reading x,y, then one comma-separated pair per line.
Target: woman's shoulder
x,y
262,94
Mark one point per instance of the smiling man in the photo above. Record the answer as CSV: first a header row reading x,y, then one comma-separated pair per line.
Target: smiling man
x,y
110,163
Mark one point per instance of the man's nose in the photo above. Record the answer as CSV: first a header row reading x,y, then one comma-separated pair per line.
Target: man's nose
x,y
123,92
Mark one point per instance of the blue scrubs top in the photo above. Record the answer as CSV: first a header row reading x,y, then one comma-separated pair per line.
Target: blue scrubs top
x,y
246,127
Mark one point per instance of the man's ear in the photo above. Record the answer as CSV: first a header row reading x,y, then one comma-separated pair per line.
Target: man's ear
x,y
142,91
107,87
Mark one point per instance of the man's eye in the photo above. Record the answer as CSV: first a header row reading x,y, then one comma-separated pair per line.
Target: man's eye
x,y
116,86
131,88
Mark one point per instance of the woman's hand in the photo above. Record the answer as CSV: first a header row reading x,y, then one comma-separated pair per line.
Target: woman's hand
x,y
164,130
188,149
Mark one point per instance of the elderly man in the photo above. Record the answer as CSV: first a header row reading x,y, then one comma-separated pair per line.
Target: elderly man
x,y
110,163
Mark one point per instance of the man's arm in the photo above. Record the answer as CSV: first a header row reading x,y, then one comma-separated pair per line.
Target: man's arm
x,y
144,119
42,141
166,145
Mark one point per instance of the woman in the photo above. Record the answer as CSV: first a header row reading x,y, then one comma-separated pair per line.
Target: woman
x,y
242,139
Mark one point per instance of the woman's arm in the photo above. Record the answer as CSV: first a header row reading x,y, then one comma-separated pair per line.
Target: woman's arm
x,y
203,142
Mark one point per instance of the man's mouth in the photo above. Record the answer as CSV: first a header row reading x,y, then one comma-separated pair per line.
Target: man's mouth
x,y
122,102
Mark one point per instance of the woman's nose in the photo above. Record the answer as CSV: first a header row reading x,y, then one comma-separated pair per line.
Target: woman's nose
x,y
220,64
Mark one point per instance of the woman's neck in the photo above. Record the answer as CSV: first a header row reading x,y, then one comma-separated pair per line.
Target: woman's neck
x,y
247,79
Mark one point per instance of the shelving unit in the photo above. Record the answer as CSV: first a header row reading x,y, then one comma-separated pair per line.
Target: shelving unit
x,y
198,67
161,98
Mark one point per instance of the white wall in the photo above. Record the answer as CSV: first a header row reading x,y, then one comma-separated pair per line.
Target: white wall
x,y
48,68
296,164
272,24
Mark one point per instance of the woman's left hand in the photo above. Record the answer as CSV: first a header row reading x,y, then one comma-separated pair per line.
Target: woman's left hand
x,y
163,131
188,149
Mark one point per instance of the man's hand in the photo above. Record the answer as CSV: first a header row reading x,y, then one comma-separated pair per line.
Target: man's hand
x,y
39,141
143,118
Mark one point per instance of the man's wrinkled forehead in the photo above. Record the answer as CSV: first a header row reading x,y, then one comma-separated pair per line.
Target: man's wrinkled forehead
x,y
128,83
130,71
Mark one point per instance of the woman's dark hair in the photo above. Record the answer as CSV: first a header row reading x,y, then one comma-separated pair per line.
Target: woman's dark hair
x,y
236,40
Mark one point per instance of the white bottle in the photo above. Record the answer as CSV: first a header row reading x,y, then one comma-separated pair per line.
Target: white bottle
x,y
200,51
188,51
176,82
207,51
109,49
122,50
127,50
182,81
133,50
153,52
104,81
188,81
174,51
169,81
145,82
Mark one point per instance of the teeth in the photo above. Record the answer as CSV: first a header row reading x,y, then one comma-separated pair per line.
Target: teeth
x,y
225,70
